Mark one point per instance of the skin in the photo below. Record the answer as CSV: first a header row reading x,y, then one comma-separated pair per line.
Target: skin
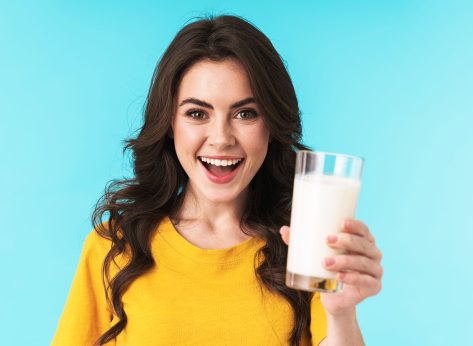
x,y
359,268
211,212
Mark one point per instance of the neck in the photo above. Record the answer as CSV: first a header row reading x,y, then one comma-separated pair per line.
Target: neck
x,y
215,217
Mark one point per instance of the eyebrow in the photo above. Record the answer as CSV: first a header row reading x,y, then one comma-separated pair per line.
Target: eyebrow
x,y
208,105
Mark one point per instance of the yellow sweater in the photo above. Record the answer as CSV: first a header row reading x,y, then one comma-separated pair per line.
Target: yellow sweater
x,y
190,297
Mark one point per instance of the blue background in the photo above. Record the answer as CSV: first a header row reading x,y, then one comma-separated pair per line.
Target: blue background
x,y
388,80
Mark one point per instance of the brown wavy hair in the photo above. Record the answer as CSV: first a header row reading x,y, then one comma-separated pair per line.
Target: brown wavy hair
x,y
136,206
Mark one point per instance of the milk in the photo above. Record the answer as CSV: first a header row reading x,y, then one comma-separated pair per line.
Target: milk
x,y
319,205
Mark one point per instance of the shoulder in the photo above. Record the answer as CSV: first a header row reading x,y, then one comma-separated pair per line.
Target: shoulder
x,y
97,246
96,243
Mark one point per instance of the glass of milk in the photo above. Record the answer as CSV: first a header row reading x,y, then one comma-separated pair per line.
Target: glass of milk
x,y
326,188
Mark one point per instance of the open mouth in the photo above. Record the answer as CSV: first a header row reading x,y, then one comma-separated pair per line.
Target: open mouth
x,y
220,168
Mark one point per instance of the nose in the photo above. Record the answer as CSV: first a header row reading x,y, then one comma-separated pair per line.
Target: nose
x,y
221,133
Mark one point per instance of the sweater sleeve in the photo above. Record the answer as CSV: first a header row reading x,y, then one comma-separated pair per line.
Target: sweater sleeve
x,y
86,315
318,323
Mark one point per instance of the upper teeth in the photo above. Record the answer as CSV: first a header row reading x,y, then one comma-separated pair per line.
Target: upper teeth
x,y
217,162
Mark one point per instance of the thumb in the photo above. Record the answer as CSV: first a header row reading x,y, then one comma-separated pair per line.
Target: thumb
x,y
285,230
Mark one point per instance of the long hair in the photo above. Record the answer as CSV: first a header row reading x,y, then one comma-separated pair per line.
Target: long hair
x,y
136,206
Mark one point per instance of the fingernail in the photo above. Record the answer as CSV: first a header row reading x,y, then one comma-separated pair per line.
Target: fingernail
x,y
331,238
329,261
345,224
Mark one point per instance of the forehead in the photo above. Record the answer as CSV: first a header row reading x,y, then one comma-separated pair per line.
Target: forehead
x,y
220,80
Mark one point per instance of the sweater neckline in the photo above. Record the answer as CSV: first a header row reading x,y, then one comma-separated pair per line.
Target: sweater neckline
x,y
175,240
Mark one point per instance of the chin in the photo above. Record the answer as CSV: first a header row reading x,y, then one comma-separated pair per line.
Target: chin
x,y
221,198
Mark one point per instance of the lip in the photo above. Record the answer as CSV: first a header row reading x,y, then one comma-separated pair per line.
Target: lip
x,y
221,157
220,180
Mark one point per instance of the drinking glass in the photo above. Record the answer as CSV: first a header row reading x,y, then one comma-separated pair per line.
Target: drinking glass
x,y
326,189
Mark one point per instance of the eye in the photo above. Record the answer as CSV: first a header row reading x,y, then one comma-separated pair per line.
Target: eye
x,y
247,114
194,114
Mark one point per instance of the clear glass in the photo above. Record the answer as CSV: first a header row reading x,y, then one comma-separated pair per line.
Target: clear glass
x,y
326,189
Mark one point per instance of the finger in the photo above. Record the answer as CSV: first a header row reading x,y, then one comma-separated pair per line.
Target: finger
x,y
285,230
357,227
360,264
354,244
361,280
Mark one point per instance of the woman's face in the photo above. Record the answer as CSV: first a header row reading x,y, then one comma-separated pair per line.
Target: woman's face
x,y
220,137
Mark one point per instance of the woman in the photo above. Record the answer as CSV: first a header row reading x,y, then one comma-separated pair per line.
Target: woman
x,y
191,253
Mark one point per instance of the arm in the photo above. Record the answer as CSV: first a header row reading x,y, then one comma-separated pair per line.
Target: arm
x,y
343,330
359,268
86,314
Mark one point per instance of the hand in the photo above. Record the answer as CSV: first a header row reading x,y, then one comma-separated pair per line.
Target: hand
x,y
359,267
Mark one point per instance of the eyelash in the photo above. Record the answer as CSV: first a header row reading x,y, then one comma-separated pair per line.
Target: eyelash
x,y
190,112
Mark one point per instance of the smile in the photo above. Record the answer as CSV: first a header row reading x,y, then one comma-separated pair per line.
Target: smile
x,y
220,171
218,162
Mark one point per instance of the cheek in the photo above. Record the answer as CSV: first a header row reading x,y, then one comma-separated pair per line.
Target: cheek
x,y
256,140
186,139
